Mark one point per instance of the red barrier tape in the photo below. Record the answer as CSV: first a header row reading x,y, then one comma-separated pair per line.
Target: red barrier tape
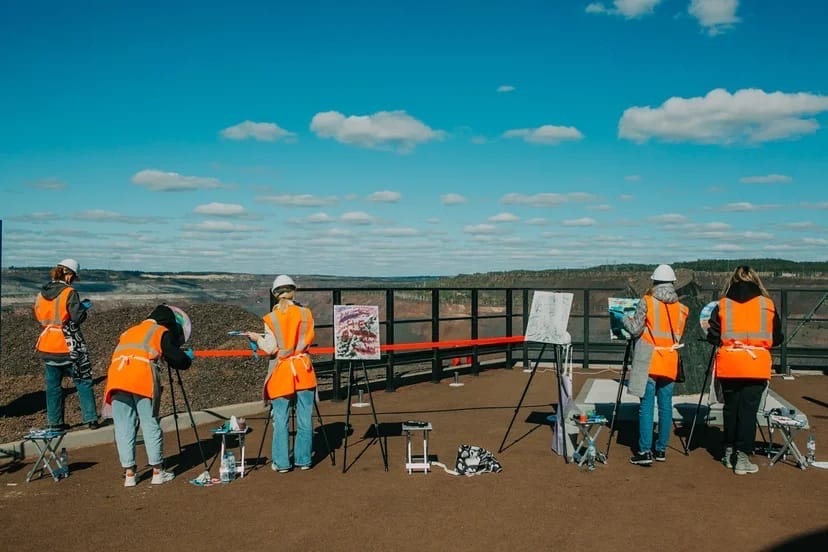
x,y
215,353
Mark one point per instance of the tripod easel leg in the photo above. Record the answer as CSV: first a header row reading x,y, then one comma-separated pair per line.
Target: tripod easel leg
x,y
347,416
522,396
561,418
267,422
175,411
351,384
624,367
701,396
192,419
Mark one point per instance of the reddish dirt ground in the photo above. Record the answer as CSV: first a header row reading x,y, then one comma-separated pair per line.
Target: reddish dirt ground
x,y
538,502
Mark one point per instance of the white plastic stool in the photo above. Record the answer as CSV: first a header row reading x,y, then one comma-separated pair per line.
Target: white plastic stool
x,y
416,462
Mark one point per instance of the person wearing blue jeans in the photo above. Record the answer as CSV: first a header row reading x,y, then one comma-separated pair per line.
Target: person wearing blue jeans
x,y
657,326
55,372
658,390
127,410
303,444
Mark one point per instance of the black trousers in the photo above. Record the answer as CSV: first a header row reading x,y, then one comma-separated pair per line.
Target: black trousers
x,y
741,404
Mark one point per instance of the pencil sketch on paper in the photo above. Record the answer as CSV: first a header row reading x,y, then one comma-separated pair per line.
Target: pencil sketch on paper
x,y
620,308
549,317
356,332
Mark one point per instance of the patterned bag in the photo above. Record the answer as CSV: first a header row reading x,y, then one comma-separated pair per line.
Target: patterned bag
x,y
474,460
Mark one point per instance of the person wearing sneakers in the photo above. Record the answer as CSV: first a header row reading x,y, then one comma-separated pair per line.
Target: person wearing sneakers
x,y
657,326
744,326
133,387
62,346
288,334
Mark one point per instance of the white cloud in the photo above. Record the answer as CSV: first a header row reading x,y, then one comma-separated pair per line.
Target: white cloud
x,y
766,179
629,9
504,217
298,200
220,227
744,206
220,209
537,221
452,199
432,220
398,232
626,197
584,221
318,218
537,200
632,178
581,196
357,217
160,181
263,132
600,207
715,16
545,134
669,218
480,229
749,115
727,247
814,205
505,88
49,184
381,128
477,140
384,196
36,217
101,215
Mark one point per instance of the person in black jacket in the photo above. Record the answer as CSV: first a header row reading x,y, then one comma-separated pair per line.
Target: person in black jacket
x,y
744,326
133,387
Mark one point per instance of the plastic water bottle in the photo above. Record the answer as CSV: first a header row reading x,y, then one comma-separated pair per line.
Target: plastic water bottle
x,y
224,473
64,463
811,446
231,465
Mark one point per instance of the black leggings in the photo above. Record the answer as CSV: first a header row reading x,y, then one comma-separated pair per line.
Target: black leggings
x,y
741,404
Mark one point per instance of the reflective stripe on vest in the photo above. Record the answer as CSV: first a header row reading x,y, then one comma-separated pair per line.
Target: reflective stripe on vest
x,y
747,336
143,345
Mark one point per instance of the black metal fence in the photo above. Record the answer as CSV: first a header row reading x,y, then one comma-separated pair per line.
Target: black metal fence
x,y
415,315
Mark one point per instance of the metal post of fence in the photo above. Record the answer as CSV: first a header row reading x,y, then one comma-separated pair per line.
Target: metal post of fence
x,y
585,363
390,382
525,313
436,361
783,353
509,327
475,320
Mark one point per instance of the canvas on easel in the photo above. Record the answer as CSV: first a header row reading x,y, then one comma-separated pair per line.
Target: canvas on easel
x,y
548,320
356,332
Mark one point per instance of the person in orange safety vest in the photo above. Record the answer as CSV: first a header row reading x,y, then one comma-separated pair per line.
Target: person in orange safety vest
x,y
288,335
744,326
133,388
62,346
658,325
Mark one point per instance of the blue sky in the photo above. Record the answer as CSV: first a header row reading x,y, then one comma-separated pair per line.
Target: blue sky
x,y
400,138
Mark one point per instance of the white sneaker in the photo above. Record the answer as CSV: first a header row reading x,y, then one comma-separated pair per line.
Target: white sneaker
x,y
130,480
161,477
277,469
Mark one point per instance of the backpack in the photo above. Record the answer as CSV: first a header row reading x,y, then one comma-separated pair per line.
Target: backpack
x,y
473,460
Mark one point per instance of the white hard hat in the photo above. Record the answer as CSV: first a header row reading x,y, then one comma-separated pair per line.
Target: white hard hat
x,y
282,281
663,273
71,264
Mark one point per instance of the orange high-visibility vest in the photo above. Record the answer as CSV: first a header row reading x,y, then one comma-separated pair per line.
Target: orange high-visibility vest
x,y
131,369
657,334
290,368
52,315
747,336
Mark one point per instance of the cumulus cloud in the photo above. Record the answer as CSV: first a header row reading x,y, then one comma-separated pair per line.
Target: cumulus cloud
x,y
160,181
537,221
317,218
382,128
629,9
36,217
220,209
584,221
48,184
766,179
715,16
249,130
745,206
384,196
480,229
220,227
357,217
749,115
537,200
452,199
398,232
668,218
503,88
632,178
504,217
545,134
101,215
298,200
478,140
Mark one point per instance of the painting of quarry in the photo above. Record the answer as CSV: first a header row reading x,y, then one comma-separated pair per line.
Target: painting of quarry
x,y
549,317
620,308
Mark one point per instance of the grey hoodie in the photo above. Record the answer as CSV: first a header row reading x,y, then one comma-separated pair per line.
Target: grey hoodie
x,y
666,293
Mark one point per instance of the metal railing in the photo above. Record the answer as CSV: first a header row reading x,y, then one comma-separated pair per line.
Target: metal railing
x,y
413,315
